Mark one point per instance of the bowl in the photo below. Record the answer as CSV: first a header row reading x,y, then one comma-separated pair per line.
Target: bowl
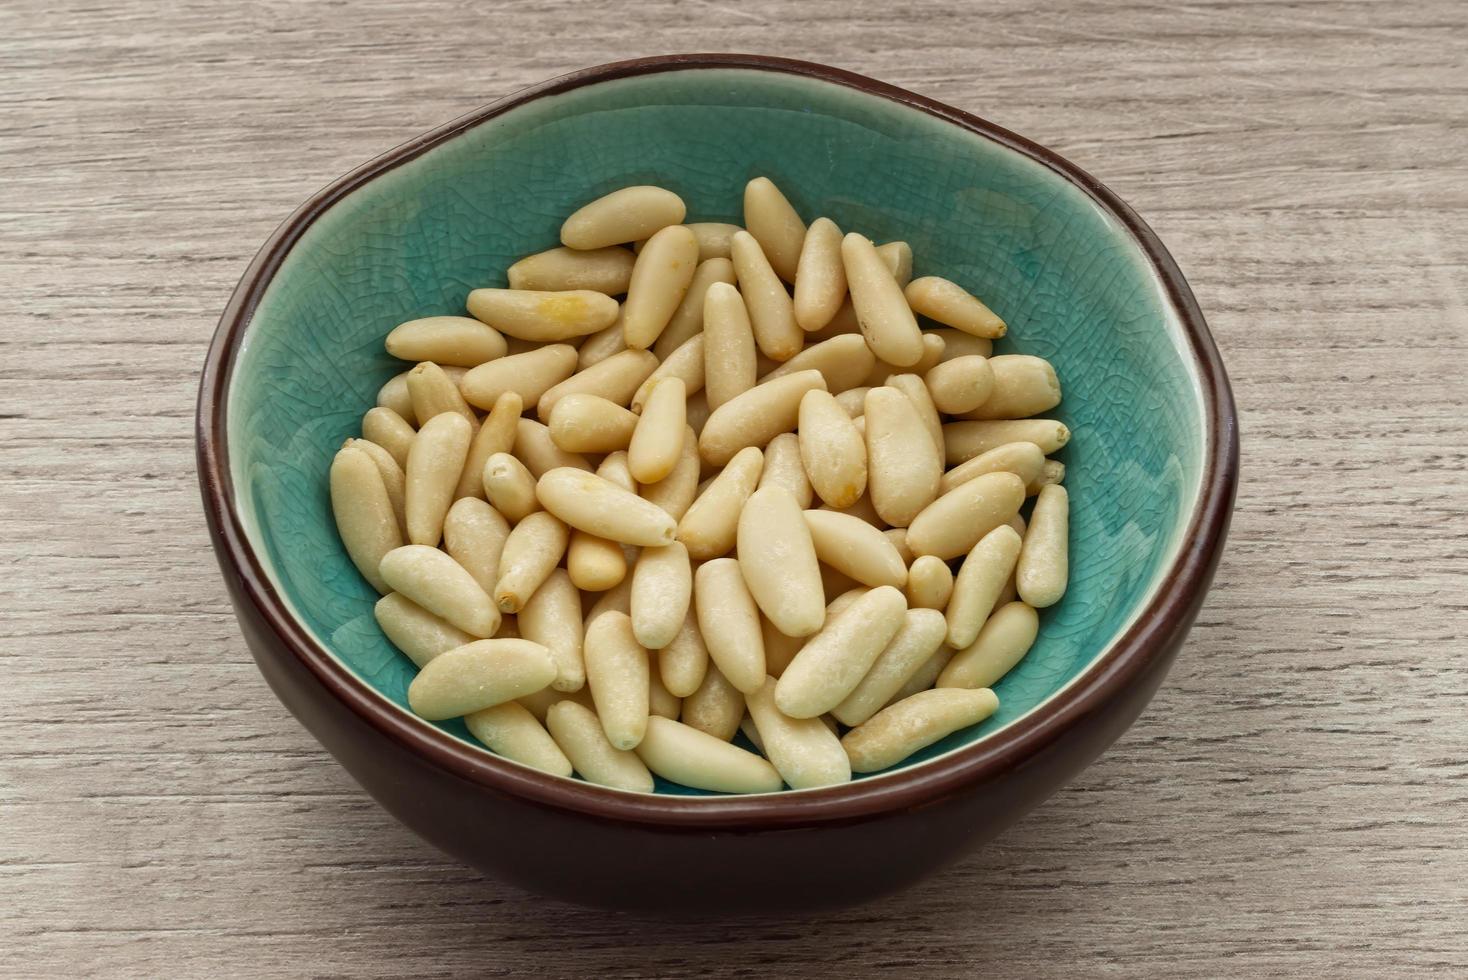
x,y
1152,465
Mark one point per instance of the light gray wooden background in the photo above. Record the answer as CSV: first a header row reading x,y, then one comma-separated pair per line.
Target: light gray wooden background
x,y
1295,799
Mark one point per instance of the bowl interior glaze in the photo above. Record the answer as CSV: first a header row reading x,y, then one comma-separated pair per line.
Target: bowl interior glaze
x,y
1070,279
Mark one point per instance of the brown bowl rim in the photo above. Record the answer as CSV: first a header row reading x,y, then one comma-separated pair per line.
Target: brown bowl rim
x,y
1167,615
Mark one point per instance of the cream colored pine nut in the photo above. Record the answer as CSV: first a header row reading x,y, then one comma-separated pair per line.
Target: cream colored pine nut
x,y
1002,643
600,346
387,428
951,304
693,758
616,379
914,645
602,270
435,462
728,353
539,703
851,545
509,487
1024,386
820,280
457,340
543,316
898,538
630,214
929,583
675,492
364,514
912,386
657,442
590,424
1052,471
474,534
886,322
914,723
442,586
980,582
779,648
393,395
531,552
854,400
802,750
831,450
956,343
618,674
685,364
844,361
434,392
833,662
598,506
715,706
924,676
783,468
509,730
961,384
903,471
777,227
898,258
709,527
479,675
539,452
660,701
416,631
393,479
771,311
963,441
687,321
552,618
1044,561
660,279
778,560
683,663
616,599
728,620
595,564
756,416
714,238
954,523
528,375
662,589
1023,459
496,435
579,734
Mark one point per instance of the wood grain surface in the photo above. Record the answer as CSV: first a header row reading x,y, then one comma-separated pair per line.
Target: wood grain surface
x,y
1296,798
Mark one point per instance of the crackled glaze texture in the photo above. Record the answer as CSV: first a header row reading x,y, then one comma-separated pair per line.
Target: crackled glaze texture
x,y
1069,280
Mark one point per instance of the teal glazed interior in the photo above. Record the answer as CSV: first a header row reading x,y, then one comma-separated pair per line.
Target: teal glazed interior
x,y
1073,284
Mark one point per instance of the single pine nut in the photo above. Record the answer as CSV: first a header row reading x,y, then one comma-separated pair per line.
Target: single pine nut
x,y
964,440
433,392
602,270
728,353
552,618
783,468
528,375
778,560
831,449
802,750
886,322
535,447
532,550
387,428
543,316
474,534
394,395
685,364
598,506
674,493
583,423
479,675
914,723
951,304
981,580
820,280
898,258
955,522
1002,643
771,312
1024,386
708,528
914,645
715,706
662,588
511,731
435,462
595,564
616,379
618,674
728,620
1044,561
688,320
579,734
509,486
775,225
657,442
1051,472
903,471
956,343
961,384
416,631
496,435
1023,459
683,662
851,545
393,479
364,514
693,758
844,361
912,386
714,238
630,214
661,277
833,662
756,416
457,340
929,583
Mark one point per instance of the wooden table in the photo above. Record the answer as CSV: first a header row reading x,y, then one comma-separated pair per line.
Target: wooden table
x,y
1296,798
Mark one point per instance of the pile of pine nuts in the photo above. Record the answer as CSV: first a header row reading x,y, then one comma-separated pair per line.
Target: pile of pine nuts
x,y
613,535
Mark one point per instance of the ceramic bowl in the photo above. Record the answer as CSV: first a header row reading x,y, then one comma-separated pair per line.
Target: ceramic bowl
x,y
1152,465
